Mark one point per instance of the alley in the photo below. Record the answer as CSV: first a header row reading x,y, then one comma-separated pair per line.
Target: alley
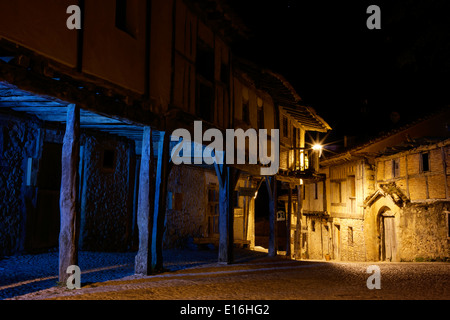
x,y
255,276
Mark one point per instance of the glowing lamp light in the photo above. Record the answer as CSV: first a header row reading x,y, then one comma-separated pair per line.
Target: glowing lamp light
x,y
317,147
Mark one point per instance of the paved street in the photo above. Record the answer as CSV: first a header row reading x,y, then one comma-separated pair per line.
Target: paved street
x,y
255,276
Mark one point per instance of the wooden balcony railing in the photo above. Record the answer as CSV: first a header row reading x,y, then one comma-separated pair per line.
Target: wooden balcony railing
x,y
300,159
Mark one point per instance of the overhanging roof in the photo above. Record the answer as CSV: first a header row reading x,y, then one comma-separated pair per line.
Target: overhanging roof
x,y
49,109
284,95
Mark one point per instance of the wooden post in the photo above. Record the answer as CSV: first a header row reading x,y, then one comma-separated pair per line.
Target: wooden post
x,y
271,184
145,205
288,223
227,182
68,203
247,201
159,215
299,220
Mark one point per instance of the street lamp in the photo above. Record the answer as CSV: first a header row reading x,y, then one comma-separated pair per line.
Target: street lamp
x,y
317,147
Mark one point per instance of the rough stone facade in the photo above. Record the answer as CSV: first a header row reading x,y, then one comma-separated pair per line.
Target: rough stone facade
x,y
107,186
392,207
17,143
423,232
106,211
186,215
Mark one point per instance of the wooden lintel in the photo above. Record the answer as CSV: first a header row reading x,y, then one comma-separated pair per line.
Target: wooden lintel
x,y
69,91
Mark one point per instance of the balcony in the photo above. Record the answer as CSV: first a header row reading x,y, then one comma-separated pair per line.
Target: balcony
x,y
302,163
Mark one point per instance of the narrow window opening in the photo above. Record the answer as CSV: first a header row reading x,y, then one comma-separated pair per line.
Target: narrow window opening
x,y
108,159
350,235
126,17
396,168
448,225
121,14
425,162
316,191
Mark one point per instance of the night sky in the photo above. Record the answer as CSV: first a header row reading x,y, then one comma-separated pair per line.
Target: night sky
x,y
361,81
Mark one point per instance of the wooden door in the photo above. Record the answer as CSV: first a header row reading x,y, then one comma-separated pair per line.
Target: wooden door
x,y
45,221
213,211
390,241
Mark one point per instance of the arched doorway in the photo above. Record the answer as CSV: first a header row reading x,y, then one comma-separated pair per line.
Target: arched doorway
x,y
388,236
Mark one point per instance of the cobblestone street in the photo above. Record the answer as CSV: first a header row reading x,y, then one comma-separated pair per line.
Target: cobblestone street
x,y
254,276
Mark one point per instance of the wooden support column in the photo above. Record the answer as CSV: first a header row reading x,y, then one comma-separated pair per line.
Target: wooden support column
x,y
271,184
299,220
288,223
297,226
227,181
145,205
159,212
68,203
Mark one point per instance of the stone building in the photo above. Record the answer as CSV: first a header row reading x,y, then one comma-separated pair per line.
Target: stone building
x,y
386,200
86,122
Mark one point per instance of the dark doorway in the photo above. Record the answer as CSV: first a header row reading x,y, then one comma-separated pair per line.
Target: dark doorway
x,y
262,217
281,232
45,220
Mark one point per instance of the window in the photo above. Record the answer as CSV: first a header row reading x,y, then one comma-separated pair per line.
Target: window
x,y
313,226
316,191
205,101
352,193
177,201
108,159
121,14
350,236
204,62
448,225
125,19
425,162
396,168
336,190
352,182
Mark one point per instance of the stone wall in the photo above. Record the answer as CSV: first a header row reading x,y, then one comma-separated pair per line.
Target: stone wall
x,y
17,142
107,184
317,238
186,213
423,232
352,240
412,180
339,239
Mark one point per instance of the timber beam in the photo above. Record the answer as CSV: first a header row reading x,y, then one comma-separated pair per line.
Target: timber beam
x,y
68,203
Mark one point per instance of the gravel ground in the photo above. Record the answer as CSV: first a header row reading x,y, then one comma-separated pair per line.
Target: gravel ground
x,y
24,274
196,275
